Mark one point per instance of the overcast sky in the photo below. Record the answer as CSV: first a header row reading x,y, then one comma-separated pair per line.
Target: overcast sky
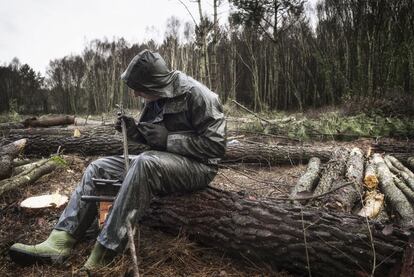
x,y
37,31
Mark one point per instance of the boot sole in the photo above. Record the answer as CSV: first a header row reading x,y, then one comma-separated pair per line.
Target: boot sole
x,y
24,258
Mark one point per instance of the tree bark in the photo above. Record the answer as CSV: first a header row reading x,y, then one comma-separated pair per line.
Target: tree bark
x,y
308,181
402,171
410,162
397,164
338,244
402,150
404,188
7,154
104,140
344,198
333,171
407,264
393,195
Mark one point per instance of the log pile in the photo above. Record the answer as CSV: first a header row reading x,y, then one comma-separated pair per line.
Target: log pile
x,y
346,185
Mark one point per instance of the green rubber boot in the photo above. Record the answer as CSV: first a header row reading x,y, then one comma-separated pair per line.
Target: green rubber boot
x,y
55,249
100,257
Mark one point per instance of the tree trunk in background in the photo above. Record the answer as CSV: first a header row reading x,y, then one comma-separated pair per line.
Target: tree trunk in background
x,y
280,233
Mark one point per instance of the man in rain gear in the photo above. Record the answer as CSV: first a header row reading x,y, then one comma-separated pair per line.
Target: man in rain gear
x,y
183,123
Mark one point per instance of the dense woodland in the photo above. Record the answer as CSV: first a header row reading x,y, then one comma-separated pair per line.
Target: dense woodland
x,y
269,56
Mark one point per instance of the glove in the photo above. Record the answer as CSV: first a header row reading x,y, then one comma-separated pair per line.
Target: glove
x,y
155,135
131,127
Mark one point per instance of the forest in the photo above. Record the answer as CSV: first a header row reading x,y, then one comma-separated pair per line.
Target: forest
x,y
316,176
268,57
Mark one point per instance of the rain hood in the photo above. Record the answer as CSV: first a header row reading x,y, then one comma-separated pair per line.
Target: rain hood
x,y
148,72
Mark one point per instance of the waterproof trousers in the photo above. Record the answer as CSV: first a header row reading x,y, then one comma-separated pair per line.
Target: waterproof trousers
x,y
150,173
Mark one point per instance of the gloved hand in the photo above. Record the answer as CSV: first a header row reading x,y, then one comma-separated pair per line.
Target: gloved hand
x,y
155,135
131,127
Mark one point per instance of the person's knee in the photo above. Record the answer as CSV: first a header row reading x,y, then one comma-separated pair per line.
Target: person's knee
x,y
146,160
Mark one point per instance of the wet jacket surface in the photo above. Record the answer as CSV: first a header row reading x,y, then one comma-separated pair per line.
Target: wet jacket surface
x,y
196,140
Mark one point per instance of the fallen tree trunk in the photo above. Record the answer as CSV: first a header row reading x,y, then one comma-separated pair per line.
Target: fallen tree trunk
x,y
104,140
308,181
7,154
393,195
337,244
48,121
402,150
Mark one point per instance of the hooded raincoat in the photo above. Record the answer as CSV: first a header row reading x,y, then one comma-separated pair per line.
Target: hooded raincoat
x,y
196,141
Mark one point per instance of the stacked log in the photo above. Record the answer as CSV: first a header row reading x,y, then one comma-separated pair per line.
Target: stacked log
x,y
333,172
7,153
394,196
308,181
345,198
410,162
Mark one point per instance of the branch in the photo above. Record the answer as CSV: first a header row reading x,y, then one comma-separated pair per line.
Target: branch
x,y
246,109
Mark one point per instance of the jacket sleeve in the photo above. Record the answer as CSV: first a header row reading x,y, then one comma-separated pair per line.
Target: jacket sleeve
x,y
208,139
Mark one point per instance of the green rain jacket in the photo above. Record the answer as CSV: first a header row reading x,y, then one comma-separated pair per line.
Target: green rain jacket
x,y
192,114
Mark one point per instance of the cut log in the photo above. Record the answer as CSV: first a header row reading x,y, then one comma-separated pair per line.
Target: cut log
x,y
373,204
344,198
410,162
7,153
27,167
409,193
28,177
55,200
48,121
393,196
338,244
308,181
104,140
333,171
370,178
402,173
396,163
